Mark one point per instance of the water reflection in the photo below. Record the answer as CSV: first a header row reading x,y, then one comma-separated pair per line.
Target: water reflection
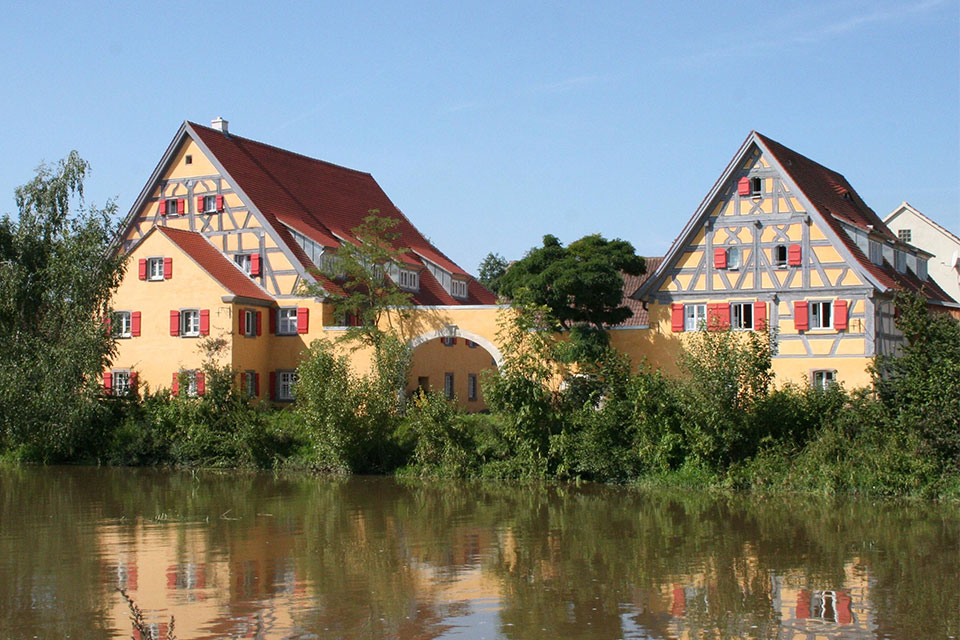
x,y
254,556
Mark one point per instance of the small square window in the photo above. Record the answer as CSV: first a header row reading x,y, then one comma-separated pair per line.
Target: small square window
x,y
780,256
190,322
824,379
756,187
155,268
285,384
123,326
448,385
287,321
821,315
741,316
121,383
905,235
694,317
188,159
733,258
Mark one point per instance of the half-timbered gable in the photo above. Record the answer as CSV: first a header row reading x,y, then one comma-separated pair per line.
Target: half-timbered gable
x,y
783,242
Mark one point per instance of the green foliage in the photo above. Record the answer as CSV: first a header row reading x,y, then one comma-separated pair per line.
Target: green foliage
x,y
362,270
441,441
920,386
56,279
491,270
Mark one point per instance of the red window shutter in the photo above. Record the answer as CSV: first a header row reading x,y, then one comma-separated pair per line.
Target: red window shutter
x,y
677,318
107,382
839,314
843,608
143,268
242,325
255,264
204,322
133,381
794,255
723,313
219,203
175,385
258,322
167,268
759,315
273,321
801,316
107,324
273,385
199,204
303,320
256,384
743,186
174,323
135,324
181,206
201,383
162,207
803,605
719,258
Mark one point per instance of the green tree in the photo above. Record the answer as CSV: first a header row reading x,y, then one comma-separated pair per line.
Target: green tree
x,y
581,285
920,385
57,275
491,270
362,271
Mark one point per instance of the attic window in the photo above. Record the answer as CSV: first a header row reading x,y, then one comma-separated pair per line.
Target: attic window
x,y
905,235
756,187
900,261
188,159
780,256
876,252
458,289
409,280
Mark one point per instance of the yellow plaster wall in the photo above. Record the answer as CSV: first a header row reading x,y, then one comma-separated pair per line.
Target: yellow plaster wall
x,y
433,360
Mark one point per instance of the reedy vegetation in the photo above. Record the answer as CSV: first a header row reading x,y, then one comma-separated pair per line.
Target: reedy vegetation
x,y
563,406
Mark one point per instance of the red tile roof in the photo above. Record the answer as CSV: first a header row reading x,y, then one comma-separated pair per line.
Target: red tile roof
x,y
834,197
224,271
323,201
630,286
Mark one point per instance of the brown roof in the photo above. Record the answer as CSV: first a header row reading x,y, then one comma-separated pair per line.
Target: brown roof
x,y
630,286
224,271
324,202
834,197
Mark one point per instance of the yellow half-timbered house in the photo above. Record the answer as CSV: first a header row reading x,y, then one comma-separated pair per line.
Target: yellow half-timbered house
x,y
783,242
220,241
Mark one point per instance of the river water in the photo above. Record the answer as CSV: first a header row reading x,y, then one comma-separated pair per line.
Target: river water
x,y
237,555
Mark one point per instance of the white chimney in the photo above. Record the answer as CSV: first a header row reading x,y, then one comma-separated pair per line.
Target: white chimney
x,y
220,125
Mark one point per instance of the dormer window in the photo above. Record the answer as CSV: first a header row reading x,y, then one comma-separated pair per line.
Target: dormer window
x,y
876,252
900,261
409,280
921,268
756,187
458,288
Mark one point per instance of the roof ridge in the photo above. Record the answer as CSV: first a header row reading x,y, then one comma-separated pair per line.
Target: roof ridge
x,y
282,150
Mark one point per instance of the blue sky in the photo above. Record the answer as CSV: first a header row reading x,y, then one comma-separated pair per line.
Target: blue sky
x,y
490,124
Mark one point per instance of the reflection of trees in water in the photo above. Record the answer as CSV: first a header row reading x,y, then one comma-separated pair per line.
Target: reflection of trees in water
x,y
377,558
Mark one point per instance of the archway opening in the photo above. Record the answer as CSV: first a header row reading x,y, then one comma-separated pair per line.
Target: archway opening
x,y
453,365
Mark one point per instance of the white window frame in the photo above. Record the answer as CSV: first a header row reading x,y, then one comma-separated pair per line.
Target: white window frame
x,y
286,379
155,268
905,235
756,187
694,316
823,379
734,265
249,323
778,262
250,383
121,382
287,321
741,316
409,280
190,377
458,288
821,315
189,323
448,382
209,204
471,387
244,261
124,324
